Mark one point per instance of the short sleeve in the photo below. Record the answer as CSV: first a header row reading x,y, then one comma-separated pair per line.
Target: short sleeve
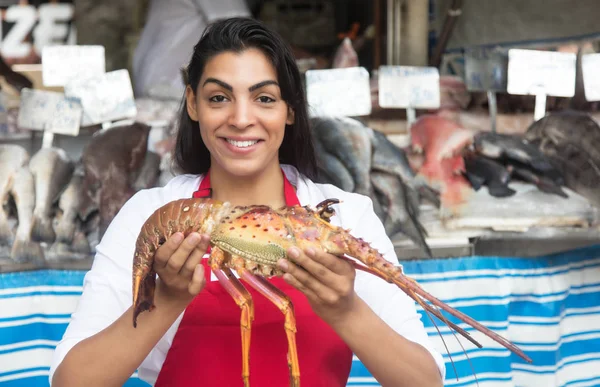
x,y
388,301
107,289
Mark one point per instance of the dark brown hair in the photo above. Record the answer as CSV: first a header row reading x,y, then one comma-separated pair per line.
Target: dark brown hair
x,y
237,35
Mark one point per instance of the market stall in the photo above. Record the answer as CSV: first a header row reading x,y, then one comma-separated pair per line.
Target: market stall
x,y
479,153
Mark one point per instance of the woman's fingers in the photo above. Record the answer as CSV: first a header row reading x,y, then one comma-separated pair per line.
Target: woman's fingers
x,y
195,257
198,281
172,265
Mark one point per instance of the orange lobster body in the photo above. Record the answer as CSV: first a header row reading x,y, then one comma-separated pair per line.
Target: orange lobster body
x,y
250,240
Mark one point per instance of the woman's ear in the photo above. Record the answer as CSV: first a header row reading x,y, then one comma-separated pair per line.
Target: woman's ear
x,y
291,117
191,103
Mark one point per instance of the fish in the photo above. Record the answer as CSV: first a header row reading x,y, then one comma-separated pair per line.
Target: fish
x,y
390,158
12,158
400,209
68,204
24,249
349,141
148,175
52,170
543,183
507,148
331,170
483,171
571,140
439,138
112,160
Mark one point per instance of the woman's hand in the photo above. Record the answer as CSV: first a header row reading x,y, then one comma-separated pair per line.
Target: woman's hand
x,y
326,280
177,263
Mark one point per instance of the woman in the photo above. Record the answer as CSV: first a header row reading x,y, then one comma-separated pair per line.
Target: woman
x,y
243,123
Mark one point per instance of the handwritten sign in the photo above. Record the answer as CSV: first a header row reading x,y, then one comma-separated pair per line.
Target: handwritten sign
x,y
338,92
61,64
590,65
49,111
532,72
409,87
486,70
107,97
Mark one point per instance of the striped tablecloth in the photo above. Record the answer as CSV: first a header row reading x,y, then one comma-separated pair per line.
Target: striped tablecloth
x,y
549,306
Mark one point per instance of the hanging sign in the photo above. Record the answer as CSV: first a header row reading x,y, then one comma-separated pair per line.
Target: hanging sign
x,y
338,92
63,63
409,87
104,98
49,111
590,64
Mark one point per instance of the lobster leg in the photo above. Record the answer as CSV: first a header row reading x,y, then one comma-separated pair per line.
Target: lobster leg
x,y
243,299
282,301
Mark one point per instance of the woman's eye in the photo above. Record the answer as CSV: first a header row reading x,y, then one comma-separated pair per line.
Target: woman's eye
x,y
218,98
265,99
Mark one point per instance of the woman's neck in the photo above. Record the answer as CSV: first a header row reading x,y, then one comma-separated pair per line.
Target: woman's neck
x,y
263,188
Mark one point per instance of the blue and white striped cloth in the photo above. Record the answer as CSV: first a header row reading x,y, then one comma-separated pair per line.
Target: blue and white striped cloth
x,y
549,306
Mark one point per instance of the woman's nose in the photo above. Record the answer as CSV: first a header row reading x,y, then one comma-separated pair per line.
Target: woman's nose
x,y
242,115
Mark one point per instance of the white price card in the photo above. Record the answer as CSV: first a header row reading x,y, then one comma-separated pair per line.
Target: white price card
x,y
532,72
49,111
590,64
410,87
486,70
63,63
344,92
107,97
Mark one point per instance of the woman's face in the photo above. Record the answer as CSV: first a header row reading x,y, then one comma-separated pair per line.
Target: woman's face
x,y
241,114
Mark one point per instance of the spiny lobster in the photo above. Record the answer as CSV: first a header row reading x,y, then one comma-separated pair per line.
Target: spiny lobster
x,y
250,240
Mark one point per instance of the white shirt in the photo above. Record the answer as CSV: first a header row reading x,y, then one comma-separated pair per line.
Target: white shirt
x,y
107,292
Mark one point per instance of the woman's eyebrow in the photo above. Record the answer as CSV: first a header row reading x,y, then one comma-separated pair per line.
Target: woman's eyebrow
x,y
230,88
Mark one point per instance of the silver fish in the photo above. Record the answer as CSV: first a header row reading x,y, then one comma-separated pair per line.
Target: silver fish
x,y
52,170
68,204
388,157
401,217
12,158
24,250
331,169
349,141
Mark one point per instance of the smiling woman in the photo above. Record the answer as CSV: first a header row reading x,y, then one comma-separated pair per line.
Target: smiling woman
x,y
243,138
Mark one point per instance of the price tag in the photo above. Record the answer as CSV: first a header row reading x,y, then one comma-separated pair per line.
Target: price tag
x,y
532,72
486,70
49,111
338,92
107,97
409,87
590,64
61,64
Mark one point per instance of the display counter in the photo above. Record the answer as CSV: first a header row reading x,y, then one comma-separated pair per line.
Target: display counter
x,y
549,305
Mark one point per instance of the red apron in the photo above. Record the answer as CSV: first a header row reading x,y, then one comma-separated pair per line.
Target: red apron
x,y
207,350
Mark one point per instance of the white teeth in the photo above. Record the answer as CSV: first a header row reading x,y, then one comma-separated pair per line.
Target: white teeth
x,y
242,144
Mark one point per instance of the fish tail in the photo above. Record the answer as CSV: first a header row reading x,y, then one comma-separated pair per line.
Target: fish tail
x,y
81,245
64,231
42,229
6,234
429,194
27,251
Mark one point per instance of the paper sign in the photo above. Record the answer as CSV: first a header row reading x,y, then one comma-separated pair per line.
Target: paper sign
x,y
590,64
486,70
338,92
532,72
107,97
48,110
409,87
61,64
